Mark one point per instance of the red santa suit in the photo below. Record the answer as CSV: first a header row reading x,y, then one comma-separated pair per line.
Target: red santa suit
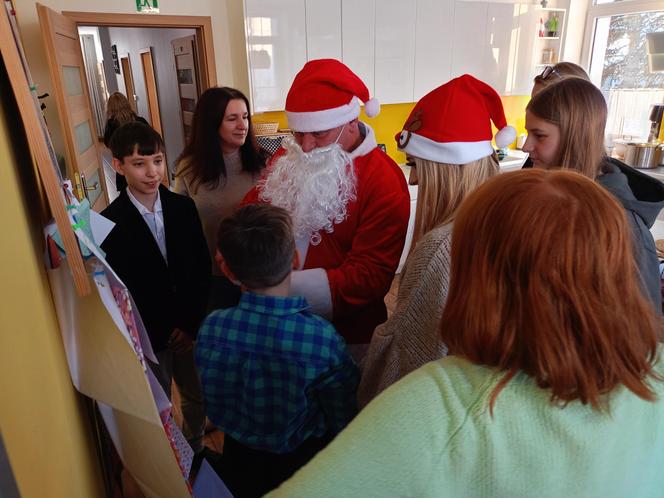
x,y
347,275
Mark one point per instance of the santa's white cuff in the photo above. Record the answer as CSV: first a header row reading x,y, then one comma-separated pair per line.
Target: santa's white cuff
x,y
315,287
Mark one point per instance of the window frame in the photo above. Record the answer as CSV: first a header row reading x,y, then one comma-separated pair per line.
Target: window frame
x,y
624,7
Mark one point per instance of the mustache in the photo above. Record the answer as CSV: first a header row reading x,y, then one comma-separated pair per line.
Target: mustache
x,y
319,153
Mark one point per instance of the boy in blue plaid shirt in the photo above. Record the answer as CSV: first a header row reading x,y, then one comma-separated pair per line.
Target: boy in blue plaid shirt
x,y
277,378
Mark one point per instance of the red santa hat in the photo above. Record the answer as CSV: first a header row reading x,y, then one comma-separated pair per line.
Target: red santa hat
x,y
452,124
326,94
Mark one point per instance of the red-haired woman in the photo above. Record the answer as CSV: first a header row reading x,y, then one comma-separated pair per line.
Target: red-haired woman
x,y
555,387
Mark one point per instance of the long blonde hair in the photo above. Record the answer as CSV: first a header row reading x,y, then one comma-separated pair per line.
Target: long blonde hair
x,y
118,108
442,188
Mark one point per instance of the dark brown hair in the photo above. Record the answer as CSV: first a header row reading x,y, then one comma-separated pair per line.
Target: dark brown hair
x,y
257,245
578,109
543,280
202,158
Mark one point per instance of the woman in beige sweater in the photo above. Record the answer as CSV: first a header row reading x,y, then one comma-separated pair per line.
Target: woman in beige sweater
x,y
447,138
218,166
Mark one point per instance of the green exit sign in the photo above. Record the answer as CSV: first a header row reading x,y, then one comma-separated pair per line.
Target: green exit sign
x,y
151,6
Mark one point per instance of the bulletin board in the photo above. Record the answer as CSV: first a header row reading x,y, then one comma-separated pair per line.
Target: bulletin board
x,y
39,141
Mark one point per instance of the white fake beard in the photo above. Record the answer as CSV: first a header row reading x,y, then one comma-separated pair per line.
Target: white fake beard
x,y
314,187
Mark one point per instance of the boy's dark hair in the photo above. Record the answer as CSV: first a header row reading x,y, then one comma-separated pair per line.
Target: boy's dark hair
x,y
132,135
257,245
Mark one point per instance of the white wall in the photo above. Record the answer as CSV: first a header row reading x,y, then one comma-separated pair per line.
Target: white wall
x,y
131,41
227,27
109,71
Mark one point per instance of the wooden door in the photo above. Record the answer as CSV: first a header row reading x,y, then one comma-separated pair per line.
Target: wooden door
x,y
147,64
70,86
128,77
184,51
151,88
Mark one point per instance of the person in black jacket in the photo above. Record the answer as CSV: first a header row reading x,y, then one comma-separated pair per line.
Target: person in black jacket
x,y
158,249
118,112
565,123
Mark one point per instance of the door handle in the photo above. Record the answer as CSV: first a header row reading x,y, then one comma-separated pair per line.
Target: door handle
x,y
87,189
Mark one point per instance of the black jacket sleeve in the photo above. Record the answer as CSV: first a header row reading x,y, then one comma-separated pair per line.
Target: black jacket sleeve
x,y
193,296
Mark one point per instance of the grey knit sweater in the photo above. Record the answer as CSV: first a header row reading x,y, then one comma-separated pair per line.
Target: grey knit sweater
x,y
215,204
411,336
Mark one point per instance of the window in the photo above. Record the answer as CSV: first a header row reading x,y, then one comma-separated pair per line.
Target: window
x,y
619,62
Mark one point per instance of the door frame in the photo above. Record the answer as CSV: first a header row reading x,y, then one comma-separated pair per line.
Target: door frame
x,y
154,110
153,100
201,24
128,77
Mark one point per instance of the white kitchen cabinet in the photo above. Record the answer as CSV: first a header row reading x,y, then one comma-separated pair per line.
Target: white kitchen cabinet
x,y
323,21
277,49
401,49
495,43
469,49
522,81
433,45
358,36
395,51
502,45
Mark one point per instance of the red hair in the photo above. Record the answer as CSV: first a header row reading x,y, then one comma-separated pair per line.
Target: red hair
x,y
543,280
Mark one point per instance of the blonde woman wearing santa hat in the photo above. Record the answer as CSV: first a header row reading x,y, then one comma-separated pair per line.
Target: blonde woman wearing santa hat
x,y
448,138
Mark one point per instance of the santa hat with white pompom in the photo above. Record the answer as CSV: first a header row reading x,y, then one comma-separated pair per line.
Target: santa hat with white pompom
x,y
452,124
326,94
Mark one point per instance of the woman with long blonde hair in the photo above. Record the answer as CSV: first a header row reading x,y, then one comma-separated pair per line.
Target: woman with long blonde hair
x,y
555,384
450,155
565,123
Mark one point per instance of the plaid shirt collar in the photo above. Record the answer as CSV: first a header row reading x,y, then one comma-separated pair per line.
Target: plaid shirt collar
x,y
272,305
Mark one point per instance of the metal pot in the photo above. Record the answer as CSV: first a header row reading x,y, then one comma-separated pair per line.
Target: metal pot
x,y
643,155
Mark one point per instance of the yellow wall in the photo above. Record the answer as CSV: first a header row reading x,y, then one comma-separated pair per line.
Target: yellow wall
x,y
393,116
42,419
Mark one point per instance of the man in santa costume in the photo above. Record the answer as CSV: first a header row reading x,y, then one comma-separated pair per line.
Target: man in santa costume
x,y
348,199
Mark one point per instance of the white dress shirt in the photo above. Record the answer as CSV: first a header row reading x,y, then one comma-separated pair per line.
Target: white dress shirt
x,y
154,219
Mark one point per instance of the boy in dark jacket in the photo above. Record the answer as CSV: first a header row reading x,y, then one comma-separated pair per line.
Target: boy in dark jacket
x,y
158,249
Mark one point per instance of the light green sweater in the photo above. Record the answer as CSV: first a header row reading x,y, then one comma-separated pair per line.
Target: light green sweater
x,y
431,435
